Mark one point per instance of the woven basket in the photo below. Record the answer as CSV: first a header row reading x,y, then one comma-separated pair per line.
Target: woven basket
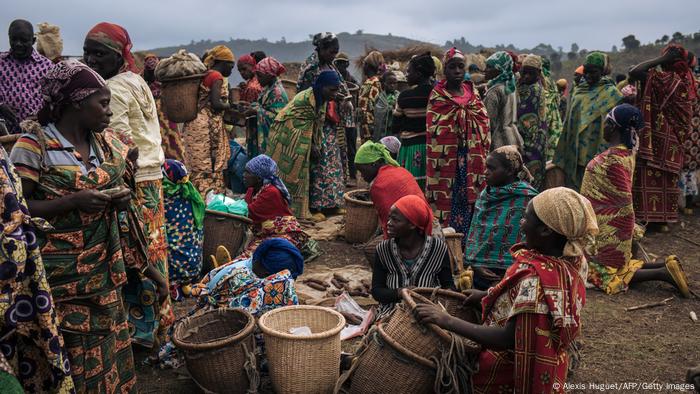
x,y
303,364
553,176
219,349
8,141
385,366
361,219
225,229
179,98
370,249
454,246
290,87
452,301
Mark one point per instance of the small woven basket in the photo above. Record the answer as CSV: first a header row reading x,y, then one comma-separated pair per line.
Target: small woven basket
x,y
361,219
225,229
219,349
179,98
303,364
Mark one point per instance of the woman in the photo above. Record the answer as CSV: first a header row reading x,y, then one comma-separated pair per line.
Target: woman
x,y
268,206
410,257
532,317
582,136
667,105
208,149
169,134
372,67
309,160
250,90
501,101
184,220
552,114
270,101
384,107
532,122
410,114
497,214
607,183
326,49
458,141
79,200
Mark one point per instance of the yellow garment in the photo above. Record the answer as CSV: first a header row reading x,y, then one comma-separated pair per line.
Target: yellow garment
x,y
219,52
569,214
618,278
134,112
438,67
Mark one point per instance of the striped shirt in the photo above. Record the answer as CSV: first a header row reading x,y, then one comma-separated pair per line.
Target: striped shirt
x,y
27,157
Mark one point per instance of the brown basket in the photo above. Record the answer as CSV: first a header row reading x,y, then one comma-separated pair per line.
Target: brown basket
x,y
454,246
179,98
553,176
219,349
290,87
385,366
8,141
452,301
370,249
303,364
225,229
361,219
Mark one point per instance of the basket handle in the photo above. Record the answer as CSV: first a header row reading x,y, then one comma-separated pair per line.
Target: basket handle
x,y
408,296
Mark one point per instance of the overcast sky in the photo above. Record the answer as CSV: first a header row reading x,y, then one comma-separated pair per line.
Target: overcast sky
x,y
592,24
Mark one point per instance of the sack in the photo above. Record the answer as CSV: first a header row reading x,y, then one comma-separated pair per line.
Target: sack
x,y
49,42
181,64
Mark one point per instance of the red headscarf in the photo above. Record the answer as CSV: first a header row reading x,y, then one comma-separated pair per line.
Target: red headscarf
x,y
247,59
516,62
682,67
270,66
417,211
117,39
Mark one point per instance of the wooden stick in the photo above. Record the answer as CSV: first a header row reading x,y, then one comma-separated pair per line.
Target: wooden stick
x,y
650,305
645,256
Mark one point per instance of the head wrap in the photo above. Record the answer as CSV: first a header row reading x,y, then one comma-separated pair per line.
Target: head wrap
x,y
325,78
247,59
516,61
424,64
117,39
452,53
438,66
371,152
342,57
278,254
562,83
502,62
579,70
270,66
69,81
392,143
629,91
150,62
323,38
265,168
220,53
546,66
374,59
569,214
417,211
176,182
681,67
628,120
597,59
511,153
533,61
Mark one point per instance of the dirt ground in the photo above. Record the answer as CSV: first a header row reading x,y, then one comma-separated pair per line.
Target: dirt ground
x,y
647,346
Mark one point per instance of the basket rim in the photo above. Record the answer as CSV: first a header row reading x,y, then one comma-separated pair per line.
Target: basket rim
x,y
440,291
229,215
402,349
347,197
321,335
210,345
185,78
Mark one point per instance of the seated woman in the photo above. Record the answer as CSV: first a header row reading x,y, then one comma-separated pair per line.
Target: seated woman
x,y
607,183
495,227
410,257
534,312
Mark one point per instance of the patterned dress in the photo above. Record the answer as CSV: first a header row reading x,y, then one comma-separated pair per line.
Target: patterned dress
x,y
20,85
552,116
270,102
369,92
532,126
691,147
326,176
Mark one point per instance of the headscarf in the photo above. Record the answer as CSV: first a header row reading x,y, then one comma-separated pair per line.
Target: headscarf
x,y
417,211
150,62
681,67
325,78
117,39
265,168
270,66
341,57
438,66
247,59
579,70
629,91
392,143
546,66
376,60
69,81
424,64
516,61
176,182
569,214
278,254
323,38
511,153
219,52
597,59
452,53
502,62
533,61
371,152
562,83
629,120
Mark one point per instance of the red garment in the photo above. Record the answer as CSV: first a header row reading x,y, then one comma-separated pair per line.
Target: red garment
x,y
389,186
417,211
247,59
267,204
270,66
117,39
211,77
544,294
251,91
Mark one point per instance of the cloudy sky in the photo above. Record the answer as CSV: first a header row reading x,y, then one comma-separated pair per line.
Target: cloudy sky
x,y
593,24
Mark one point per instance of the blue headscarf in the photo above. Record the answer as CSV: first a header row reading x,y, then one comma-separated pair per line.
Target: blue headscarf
x,y
278,254
628,120
265,168
325,78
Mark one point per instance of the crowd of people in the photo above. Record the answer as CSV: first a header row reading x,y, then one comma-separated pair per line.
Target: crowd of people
x,y
104,197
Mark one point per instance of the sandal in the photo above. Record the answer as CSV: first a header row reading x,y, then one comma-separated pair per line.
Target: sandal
x,y
222,255
674,268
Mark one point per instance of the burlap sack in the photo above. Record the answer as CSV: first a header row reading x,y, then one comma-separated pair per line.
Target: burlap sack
x,y
49,42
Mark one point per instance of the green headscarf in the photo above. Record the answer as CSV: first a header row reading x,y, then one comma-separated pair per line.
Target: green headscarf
x,y
546,66
502,62
371,152
176,183
597,59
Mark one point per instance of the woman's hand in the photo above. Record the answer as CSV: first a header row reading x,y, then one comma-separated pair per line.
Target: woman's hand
x,y
90,201
473,298
121,199
487,274
430,314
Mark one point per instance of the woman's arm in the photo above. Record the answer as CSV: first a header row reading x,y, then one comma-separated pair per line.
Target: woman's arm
x,y
215,97
88,200
639,72
380,291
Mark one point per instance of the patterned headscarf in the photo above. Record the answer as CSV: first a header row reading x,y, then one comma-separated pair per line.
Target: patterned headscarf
x,y
117,39
438,66
597,59
392,143
546,67
533,61
265,168
569,214
219,52
417,211
270,66
371,152
150,62
321,39
69,81
247,59
629,120
516,61
176,182
511,153
375,59
629,91
502,62
452,53
681,67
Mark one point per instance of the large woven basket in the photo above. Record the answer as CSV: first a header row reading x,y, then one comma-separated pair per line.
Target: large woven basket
x,y
370,249
303,364
452,301
179,98
361,219
225,229
219,349
290,87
